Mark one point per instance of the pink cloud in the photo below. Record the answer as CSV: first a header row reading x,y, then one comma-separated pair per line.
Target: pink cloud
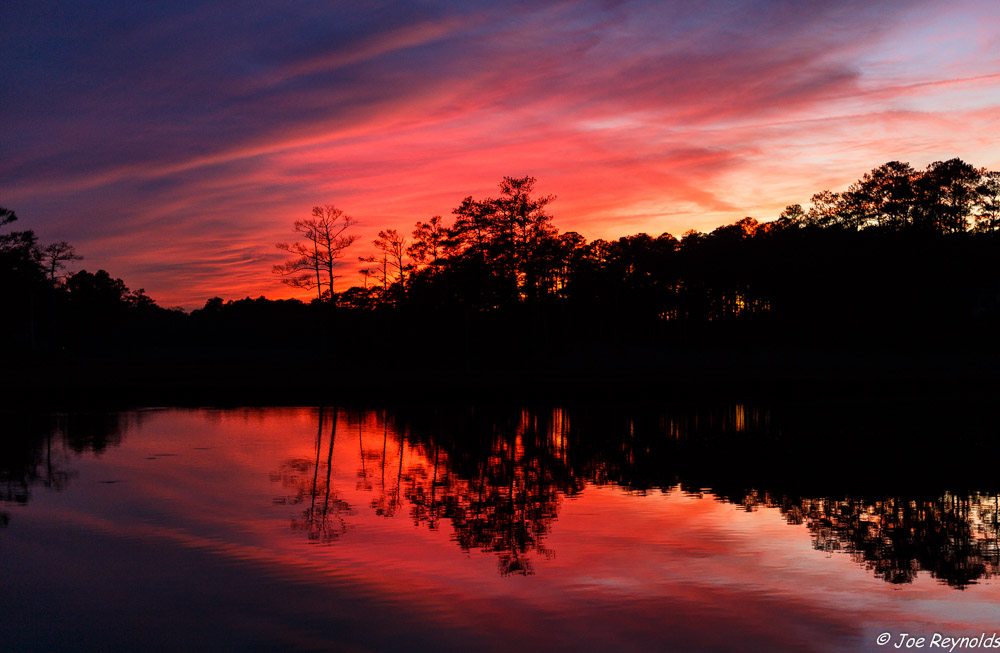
x,y
660,118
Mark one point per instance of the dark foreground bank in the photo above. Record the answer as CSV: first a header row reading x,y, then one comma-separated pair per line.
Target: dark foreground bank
x,y
642,376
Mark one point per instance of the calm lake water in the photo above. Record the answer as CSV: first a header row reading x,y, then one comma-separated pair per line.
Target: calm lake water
x,y
268,529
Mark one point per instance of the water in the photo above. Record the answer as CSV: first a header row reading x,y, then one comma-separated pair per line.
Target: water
x,y
491,529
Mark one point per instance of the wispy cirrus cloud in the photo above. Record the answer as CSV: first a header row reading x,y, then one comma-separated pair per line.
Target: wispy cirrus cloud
x,y
196,134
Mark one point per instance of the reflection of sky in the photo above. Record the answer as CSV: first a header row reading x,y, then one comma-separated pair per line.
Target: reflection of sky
x,y
175,145
197,539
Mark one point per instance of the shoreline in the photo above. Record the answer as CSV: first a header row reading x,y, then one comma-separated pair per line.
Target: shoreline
x,y
274,378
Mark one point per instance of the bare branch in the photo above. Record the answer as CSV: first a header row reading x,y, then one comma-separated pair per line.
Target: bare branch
x,y
317,257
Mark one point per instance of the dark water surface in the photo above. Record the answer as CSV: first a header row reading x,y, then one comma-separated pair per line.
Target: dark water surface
x,y
734,528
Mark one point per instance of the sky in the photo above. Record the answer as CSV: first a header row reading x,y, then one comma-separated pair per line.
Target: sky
x,y
175,143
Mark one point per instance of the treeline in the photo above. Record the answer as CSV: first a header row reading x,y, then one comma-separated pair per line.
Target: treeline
x,y
504,251
49,310
901,259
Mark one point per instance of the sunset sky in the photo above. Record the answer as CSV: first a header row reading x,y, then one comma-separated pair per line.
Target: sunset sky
x,y
174,145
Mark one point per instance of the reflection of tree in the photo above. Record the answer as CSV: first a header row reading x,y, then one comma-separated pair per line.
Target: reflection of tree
x,y
95,431
426,505
955,538
35,450
363,482
498,484
323,520
498,478
388,501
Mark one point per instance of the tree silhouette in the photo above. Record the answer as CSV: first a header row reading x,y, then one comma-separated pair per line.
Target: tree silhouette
x,y
57,255
884,197
988,202
7,216
876,268
316,259
393,248
20,255
428,242
947,194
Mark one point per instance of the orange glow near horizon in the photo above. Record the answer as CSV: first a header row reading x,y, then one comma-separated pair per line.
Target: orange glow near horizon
x,y
639,118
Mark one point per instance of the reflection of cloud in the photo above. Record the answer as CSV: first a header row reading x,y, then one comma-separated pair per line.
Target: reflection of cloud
x,y
180,126
631,569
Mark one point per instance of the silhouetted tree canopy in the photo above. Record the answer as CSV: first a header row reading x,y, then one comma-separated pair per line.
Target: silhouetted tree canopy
x,y
900,251
903,258
313,262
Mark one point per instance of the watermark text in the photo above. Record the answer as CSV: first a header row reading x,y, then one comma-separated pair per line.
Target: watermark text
x,y
938,641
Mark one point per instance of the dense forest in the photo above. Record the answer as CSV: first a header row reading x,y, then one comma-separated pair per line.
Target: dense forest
x,y
903,260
